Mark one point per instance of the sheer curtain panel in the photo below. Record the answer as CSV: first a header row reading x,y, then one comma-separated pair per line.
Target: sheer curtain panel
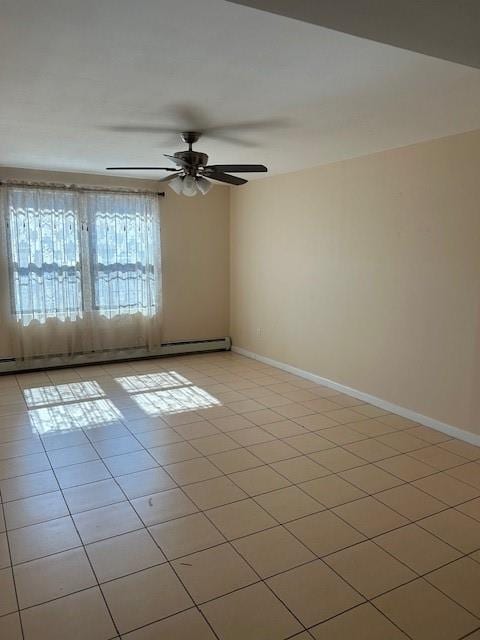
x,y
80,270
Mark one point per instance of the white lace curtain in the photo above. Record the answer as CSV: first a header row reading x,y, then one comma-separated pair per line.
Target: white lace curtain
x,y
80,270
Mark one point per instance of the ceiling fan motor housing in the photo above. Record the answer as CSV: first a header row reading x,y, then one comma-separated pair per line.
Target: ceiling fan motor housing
x,y
195,159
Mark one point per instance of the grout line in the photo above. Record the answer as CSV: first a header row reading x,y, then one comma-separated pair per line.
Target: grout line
x,y
157,545
223,474
236,551
86,555
13,576
470,634
291,484
167,561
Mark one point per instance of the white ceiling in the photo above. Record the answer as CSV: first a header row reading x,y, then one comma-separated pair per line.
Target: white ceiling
x,y
71,70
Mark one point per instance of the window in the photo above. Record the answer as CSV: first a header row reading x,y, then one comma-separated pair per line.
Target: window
x,y
44,247
122,255
72,253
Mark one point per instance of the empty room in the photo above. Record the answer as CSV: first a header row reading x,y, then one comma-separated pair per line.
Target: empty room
x,y
239,320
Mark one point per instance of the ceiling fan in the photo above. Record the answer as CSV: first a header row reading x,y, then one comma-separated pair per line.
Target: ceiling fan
x,y
193,174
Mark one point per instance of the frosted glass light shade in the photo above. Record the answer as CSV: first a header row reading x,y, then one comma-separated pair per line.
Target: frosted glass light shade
x,y
204,185
177,184
190,186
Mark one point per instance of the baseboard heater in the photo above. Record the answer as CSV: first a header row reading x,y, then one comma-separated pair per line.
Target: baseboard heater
x,y
12,365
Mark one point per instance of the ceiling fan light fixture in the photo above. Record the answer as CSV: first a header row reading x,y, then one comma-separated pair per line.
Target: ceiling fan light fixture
x,y
189,186
203,185
177,184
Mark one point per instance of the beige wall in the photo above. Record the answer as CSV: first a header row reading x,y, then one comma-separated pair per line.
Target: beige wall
x,y
367,272
195,254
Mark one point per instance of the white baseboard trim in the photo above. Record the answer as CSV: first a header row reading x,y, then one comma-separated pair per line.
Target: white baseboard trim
x,y
448,429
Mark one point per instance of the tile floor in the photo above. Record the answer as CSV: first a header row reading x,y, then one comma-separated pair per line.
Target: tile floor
x,y
212,496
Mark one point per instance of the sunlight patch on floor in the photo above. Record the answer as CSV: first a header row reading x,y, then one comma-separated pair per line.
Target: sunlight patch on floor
x,y
175,400
77,415
53,394
146,382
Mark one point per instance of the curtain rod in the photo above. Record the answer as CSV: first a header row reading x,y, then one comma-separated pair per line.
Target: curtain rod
x,y
76,187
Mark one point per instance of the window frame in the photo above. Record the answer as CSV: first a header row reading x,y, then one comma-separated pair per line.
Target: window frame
x,y
86,241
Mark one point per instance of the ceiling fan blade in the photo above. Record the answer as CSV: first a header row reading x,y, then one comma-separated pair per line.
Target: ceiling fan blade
x,y
127,128
252,125
171,176
237,168
140,169
178,161
238,142
224,177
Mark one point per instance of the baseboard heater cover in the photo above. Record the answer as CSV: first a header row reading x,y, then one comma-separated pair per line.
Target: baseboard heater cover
x,y
11,365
